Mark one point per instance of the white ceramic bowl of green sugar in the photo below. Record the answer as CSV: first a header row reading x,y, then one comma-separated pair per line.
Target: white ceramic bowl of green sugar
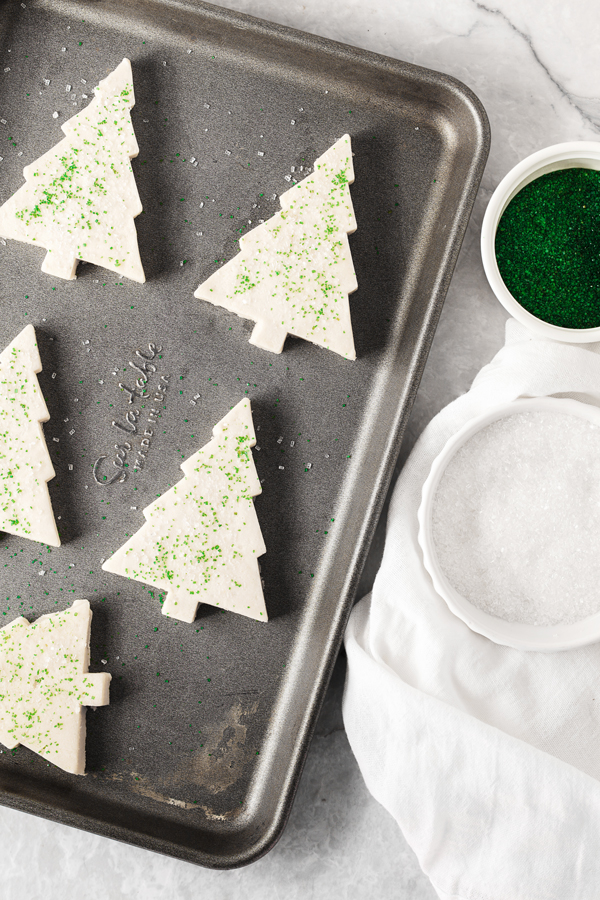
x,y
509,524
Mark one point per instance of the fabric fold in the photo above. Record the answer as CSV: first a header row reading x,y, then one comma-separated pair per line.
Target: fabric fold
x,y
488,757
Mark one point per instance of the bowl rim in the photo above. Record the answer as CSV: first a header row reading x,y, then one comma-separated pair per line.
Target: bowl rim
x,y
575,154
510,634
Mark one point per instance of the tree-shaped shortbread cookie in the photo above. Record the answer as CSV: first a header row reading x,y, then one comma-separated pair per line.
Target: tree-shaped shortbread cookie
x,y
80,198
45,683
25,465
202,540
294,272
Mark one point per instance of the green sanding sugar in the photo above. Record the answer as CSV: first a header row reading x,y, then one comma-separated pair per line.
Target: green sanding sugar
x,y
548,248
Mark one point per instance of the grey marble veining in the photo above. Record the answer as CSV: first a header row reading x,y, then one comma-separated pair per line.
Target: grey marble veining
x,y
536,69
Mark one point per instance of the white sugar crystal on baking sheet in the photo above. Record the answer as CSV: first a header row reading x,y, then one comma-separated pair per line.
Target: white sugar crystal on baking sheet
x,y
516,519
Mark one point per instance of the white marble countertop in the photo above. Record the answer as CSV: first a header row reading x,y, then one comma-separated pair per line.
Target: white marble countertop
x,y
535,67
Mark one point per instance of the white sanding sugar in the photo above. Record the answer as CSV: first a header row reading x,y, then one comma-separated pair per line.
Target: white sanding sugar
x,y
516,519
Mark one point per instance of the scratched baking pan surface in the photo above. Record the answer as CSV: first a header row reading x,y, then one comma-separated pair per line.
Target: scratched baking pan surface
x,y
199,753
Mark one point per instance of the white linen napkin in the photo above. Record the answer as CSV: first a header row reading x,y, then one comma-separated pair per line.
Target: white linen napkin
x,y
488,757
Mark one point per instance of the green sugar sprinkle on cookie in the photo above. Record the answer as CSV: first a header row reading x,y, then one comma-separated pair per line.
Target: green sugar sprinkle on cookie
x,y
45,683
294,272
25,465
201,540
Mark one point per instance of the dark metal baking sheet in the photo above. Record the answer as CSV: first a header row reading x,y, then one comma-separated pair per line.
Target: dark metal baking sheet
x,y
200,751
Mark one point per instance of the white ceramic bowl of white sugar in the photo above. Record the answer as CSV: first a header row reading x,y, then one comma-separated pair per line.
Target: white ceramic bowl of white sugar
x,y
509,524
